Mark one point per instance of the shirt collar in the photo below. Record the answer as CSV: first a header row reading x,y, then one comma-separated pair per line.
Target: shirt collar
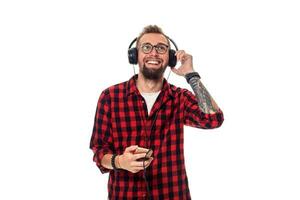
x,y
132,88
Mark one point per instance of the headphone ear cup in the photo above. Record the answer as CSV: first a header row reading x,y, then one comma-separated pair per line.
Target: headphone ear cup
x,y
133,56
172,58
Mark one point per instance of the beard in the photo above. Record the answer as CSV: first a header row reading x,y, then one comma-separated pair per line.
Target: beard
x,y
153,74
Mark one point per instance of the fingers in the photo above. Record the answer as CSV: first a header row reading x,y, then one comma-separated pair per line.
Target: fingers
x,y
179,54
141,150
131,148
147,163
182,56
186,61
138,156
138,164
132,154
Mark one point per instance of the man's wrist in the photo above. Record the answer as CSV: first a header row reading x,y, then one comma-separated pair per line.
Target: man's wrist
x,y
190,75
191,71
114,162
118,162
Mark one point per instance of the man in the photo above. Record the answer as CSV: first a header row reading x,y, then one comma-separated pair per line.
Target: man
x,y
138,129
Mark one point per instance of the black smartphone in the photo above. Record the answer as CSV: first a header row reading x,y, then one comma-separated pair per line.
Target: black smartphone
x,y
140,150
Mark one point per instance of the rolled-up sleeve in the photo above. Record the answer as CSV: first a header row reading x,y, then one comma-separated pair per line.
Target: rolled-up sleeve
x,y
195,117
101,140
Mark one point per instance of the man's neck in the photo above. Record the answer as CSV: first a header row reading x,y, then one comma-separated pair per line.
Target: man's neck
x,y
146,85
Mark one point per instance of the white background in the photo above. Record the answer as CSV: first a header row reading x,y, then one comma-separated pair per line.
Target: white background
x,y
57,56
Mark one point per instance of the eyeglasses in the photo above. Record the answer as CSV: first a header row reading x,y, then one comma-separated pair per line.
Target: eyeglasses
x,y
160,48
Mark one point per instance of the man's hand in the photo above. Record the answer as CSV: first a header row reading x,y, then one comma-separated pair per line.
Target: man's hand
x,y
186,61
128,160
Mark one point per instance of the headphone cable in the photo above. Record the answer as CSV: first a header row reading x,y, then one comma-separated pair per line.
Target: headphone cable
x,y
145,158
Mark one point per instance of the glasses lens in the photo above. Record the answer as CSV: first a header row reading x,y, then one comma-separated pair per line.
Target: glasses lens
x,y
147,48
160,48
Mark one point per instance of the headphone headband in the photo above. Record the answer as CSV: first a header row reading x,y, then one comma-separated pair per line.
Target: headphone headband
x,y
133,41
172,41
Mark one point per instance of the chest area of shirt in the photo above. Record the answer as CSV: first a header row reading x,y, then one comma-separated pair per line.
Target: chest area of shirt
x,y
132,114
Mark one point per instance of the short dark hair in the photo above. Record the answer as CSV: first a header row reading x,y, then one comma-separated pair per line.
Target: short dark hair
x,y
151,29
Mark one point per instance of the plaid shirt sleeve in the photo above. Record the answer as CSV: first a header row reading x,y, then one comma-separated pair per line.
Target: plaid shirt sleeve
x,y
101,140
195,117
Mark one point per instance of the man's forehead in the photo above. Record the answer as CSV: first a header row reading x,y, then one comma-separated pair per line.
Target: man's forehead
x,y
153,38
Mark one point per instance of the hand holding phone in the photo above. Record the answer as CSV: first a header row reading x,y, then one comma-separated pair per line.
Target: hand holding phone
x,y
149,153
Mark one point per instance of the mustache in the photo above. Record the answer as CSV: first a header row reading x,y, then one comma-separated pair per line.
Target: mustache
x,y
153,58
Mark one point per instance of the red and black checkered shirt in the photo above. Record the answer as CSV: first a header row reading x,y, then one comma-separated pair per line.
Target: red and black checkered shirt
x,y
122,120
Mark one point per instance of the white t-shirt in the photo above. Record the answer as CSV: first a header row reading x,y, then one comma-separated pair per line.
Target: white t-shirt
x,y
150,98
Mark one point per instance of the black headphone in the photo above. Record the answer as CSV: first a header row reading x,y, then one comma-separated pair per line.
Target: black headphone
x,y
133,54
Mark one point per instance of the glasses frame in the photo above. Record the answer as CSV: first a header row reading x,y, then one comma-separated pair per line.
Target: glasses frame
x,y
155,46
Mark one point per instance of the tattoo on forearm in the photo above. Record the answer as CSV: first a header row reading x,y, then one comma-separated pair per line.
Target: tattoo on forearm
x,y
203,96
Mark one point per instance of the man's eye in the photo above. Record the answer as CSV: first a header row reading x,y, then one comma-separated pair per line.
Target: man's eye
x,y
161,48
147,47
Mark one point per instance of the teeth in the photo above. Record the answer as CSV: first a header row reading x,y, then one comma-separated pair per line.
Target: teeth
x,y
152,62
